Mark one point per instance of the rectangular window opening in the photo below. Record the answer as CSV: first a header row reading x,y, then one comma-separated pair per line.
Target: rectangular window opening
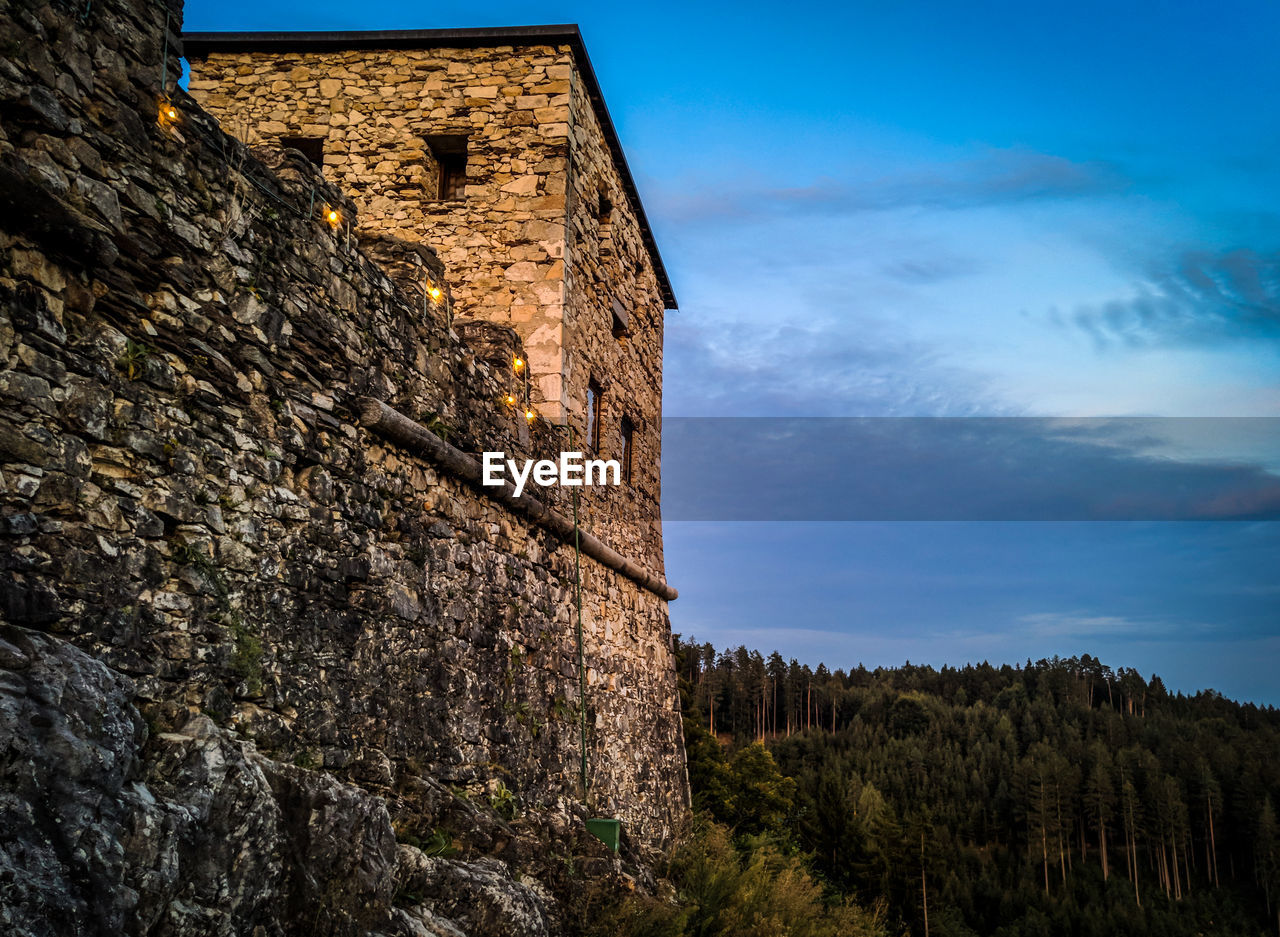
x,y
604,219
628,448
310,147
621,320
594,392
450,154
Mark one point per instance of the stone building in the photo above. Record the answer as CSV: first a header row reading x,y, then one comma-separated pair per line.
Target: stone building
x,y
495,148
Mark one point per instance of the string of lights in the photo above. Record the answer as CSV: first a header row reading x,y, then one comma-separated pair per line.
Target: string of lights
x,y
169,117
518,366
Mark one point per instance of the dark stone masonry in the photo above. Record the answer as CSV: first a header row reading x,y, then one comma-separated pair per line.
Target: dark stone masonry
x,y
262,669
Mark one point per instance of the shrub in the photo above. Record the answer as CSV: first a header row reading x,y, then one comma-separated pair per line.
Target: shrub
x,y
749,891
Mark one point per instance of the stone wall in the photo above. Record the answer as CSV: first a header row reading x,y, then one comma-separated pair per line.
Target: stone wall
x,y
186,496
608,267
547,239
376,111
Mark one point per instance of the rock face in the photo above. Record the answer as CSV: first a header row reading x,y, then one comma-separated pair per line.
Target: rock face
x,y
200,836
478,897
69,746
195,832
249,645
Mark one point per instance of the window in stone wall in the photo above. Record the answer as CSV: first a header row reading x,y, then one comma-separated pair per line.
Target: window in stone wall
x,y
604,221
310,147
621,320
594,396
628,448
450,154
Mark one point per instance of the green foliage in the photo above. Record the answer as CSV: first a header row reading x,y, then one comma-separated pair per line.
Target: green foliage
x,y
438,426
745,791
246,654
560,708
191,554
503,802
439,843
133,359
752,891
708,772
760,796
995,793
246,644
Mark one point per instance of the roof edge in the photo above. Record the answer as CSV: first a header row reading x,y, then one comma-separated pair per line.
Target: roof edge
x,y
202,44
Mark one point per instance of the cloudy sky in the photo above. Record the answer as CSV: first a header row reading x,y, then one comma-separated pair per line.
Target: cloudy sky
x,y
959,210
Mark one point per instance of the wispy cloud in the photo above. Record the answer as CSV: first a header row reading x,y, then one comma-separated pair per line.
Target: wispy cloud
x,y
1200,297
997,177
1086,625
923,271
813,368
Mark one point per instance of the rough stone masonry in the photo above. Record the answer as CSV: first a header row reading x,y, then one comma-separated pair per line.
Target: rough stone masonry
x,y
543,233
248,643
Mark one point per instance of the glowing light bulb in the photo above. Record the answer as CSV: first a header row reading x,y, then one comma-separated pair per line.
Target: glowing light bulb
x,y
171,112
435,293
528,415
332,216
519,363
511,401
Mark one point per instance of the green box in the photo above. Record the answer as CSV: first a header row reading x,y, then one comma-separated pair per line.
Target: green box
x,y
608,832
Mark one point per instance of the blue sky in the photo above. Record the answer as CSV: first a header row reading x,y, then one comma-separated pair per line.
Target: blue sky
x,y
952,209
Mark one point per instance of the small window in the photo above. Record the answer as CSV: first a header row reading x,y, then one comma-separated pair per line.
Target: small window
x,y
621,320
453,176
628,448
450,153
594,393
604,219
310,147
